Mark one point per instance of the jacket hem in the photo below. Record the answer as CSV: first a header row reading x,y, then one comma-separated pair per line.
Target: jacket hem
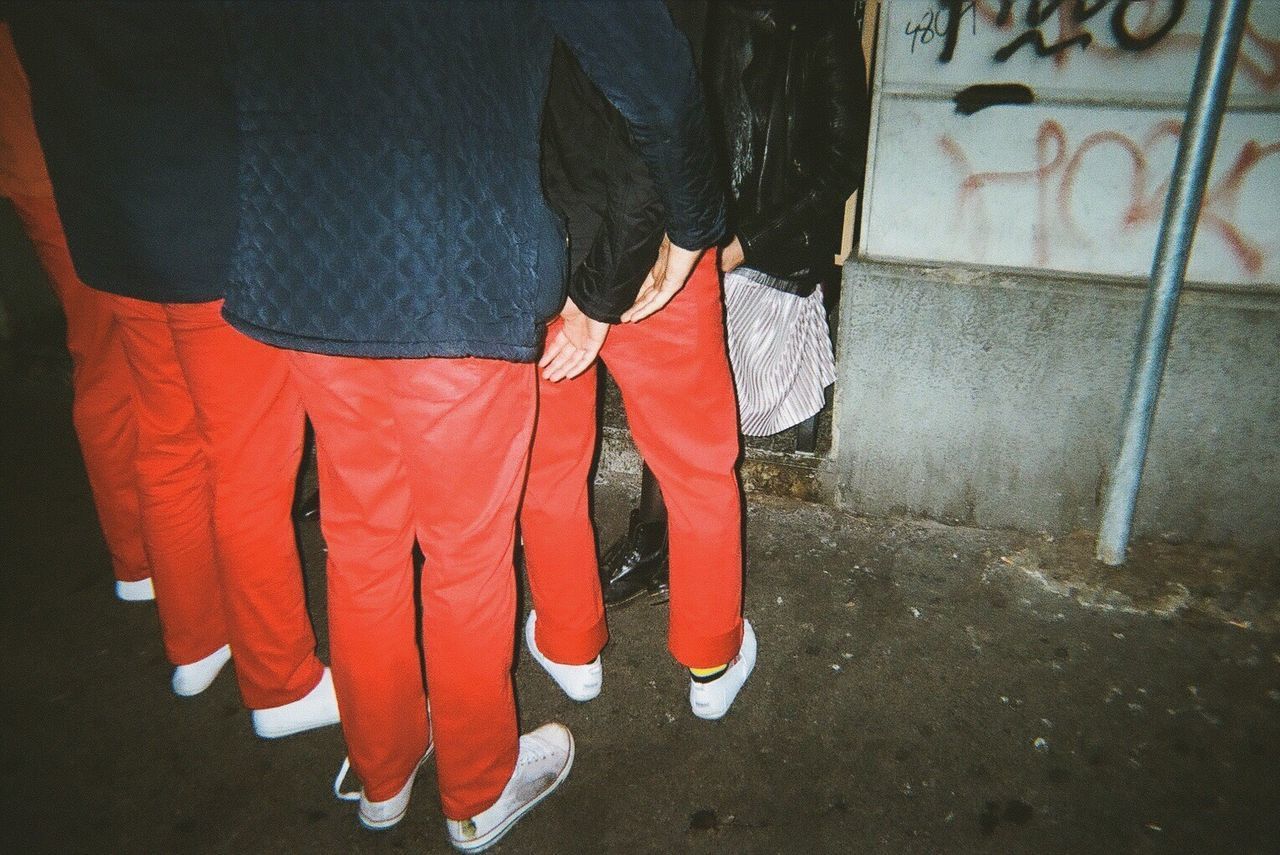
x,y
446,349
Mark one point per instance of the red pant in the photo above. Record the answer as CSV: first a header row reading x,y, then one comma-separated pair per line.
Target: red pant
x,y
673,371
102,407
432,449
219,444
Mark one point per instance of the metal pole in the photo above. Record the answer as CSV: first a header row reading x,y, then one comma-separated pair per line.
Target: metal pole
x,y
1173,246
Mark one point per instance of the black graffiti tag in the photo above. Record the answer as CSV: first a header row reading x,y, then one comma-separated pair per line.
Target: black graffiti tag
x,y
1039,11
1125,37
935,23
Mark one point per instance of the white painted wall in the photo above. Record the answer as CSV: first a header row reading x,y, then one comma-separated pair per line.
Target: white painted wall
x,y
1076,181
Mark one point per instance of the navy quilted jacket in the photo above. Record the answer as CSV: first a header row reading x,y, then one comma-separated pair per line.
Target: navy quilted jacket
x,y
390,202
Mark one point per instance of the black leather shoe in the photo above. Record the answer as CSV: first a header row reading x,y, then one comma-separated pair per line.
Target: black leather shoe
x,y
636,564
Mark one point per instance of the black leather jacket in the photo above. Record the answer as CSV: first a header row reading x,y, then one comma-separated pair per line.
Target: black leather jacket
x,y
596,180
786,86
803,106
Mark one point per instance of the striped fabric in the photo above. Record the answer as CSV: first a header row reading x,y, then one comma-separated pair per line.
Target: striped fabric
x,y
780,349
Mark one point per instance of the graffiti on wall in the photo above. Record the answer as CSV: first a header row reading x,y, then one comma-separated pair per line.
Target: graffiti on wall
x,y
1042,133
1074,21
1105,29
1063,170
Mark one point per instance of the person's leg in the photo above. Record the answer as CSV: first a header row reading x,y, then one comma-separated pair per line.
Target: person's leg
x,y
673,371
637,562
652,509
249,416
555,523
102,407
173,483
368,526
465,427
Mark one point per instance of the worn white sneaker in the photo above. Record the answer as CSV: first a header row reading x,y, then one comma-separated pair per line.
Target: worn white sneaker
x,y
194,678
379,816
711,700
579,682
318,708
140,591
546,756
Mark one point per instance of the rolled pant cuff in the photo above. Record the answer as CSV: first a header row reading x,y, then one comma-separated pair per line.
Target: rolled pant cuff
x,y
572,647
705,651
130,574
301,683
460,811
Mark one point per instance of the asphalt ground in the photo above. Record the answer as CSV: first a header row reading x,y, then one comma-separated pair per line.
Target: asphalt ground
x,y
920,689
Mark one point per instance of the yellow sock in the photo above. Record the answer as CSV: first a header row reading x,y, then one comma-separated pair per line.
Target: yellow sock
x,y
702,674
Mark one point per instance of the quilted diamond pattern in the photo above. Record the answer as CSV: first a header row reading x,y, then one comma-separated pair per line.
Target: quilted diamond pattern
x,y
388,176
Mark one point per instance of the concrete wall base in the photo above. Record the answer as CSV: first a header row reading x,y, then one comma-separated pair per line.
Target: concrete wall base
x,y
993,398
799,476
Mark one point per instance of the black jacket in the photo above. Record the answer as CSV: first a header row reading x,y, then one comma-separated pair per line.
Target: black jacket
x,y
361,177
134,112
787,88
595,179
788,200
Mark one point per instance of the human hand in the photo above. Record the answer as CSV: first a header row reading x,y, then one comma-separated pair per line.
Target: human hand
x,y
665,279
575,346
732,256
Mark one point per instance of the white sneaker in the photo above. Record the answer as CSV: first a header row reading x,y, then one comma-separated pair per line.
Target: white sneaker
x,y
546,756
712,700
379,816
318,708
192,679
579,682
135,592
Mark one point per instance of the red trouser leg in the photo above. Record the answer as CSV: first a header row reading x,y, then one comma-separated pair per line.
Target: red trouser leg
x,y
103,408
435,448
555,522
174,486
250,421
368,529
673,371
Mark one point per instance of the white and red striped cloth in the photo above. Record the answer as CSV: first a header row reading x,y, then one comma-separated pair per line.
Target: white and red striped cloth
x,y
780,350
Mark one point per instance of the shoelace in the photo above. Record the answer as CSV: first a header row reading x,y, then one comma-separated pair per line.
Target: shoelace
x,y
542,753
356,795
347,795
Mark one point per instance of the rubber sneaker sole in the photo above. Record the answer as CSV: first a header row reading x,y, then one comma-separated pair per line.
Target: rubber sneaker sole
x,y
484,841
369,813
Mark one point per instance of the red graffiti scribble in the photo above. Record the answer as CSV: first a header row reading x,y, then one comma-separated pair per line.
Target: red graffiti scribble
x,y
1058,176
1142,208
1222,198
1266,78
974,182
1137,185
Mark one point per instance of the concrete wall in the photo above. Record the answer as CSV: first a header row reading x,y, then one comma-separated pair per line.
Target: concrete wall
x,y
986,385
1075,181
993,398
